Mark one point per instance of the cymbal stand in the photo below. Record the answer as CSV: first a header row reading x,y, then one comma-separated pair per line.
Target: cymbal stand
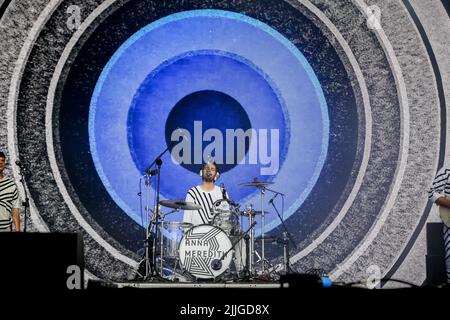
x,y
287,237
251,215
161,240
262,190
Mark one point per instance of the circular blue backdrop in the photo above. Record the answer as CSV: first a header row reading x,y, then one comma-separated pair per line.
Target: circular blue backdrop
x,y
260,81
213,110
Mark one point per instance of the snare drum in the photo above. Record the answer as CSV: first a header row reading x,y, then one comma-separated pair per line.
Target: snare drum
x,y
201,249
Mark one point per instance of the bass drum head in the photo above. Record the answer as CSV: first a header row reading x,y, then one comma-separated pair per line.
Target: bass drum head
x,y
201,249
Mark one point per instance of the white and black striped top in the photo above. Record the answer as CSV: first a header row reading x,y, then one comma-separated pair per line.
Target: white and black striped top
x,y
204,198
440,186
9,198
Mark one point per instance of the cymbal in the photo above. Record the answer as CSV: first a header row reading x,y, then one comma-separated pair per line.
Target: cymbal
x,y
180,205
255,213
255,183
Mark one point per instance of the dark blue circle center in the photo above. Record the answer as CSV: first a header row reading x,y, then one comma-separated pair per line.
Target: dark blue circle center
x,y
205,110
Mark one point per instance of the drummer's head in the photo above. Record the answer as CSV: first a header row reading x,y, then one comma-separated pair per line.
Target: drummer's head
x,y
210,172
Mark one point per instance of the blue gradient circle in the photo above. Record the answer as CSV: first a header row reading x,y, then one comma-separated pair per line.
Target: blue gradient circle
x,y
214,110
159,95
280,92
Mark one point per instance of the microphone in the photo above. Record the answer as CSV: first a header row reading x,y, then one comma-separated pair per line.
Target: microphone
x,y
216,264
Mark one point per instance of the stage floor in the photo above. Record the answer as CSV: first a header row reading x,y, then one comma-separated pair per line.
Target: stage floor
x,y
163,285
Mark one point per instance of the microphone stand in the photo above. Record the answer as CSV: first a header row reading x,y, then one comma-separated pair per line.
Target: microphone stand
x,y
155,217
158,158
154,221
287,237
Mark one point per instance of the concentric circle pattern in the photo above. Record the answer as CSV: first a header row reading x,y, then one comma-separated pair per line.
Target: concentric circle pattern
x,y
325,102
287,94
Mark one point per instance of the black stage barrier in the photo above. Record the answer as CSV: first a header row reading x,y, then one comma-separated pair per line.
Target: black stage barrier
x,y
41,261
435,259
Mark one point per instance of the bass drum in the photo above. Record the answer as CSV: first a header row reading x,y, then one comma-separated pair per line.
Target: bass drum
x,y
201,249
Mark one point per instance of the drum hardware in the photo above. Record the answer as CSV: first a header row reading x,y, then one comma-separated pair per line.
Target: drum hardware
x,y
151,229
180,205
249,212
163,215
256,213
287,237
261,185
262,190
226,217
171,250
175,254
170,234
255,183
252,243
216,264
270,239
247,269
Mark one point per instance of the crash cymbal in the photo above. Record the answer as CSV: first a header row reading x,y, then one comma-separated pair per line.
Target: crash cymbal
x,y
255,183
180,205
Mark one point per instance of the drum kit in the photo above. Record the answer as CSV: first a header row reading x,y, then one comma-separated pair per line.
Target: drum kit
x,y
220,251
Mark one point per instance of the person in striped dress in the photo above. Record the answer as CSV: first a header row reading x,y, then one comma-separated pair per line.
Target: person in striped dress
x,y
439,194
9,201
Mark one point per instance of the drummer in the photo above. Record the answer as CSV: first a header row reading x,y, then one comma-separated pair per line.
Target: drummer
x,y
204,195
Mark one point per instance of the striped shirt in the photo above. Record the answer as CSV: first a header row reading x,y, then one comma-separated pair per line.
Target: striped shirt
x,y
9,199
206,200
440,186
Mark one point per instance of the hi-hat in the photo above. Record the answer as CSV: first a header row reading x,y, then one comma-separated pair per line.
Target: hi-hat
x,y
255,183
180,205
